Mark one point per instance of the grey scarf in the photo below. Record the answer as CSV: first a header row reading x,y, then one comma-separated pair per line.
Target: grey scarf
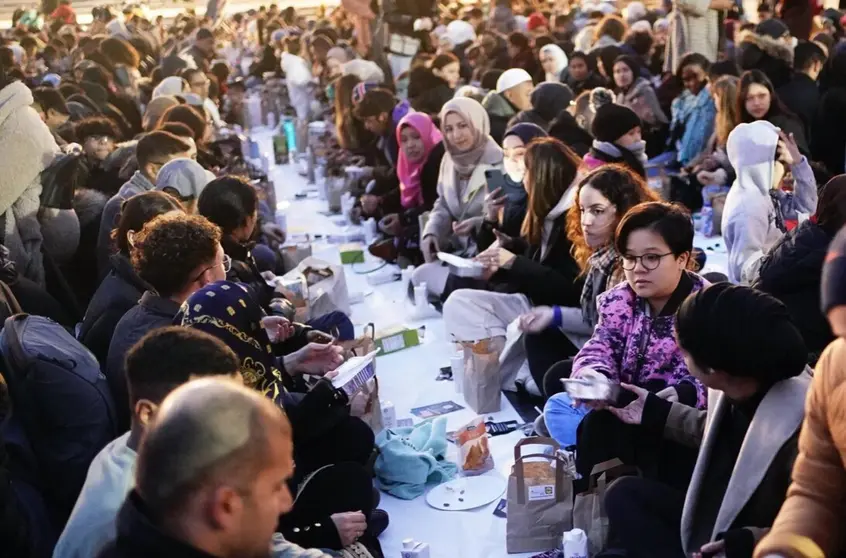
x,y
601,265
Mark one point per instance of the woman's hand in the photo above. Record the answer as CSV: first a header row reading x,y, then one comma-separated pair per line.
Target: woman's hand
x,y
370,203
429,247
633,412
536,320
467,226
496,256
278,328
315,359
788,151
390,224
350,526
494,203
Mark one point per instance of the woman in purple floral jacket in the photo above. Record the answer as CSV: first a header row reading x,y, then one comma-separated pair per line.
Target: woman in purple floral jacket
x,y
633,341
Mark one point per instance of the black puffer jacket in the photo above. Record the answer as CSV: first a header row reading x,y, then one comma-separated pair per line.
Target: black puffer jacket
x,y
791,272
427,92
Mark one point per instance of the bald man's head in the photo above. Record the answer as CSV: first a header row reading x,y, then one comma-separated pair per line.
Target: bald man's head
x,y
221,453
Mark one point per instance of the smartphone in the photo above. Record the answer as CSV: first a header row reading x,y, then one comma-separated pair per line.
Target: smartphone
x,y
495,179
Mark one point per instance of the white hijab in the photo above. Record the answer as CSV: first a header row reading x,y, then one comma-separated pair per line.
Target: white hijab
x,y
560,58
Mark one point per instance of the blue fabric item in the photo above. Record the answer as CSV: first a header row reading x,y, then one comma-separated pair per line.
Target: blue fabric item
x,y
335,320
562,419
412,458
696,113
264,257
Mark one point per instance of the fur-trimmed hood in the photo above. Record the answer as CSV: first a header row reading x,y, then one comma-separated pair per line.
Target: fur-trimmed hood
x,y
749,40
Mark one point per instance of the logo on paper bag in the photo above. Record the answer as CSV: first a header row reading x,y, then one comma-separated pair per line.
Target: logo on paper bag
x,y
542,492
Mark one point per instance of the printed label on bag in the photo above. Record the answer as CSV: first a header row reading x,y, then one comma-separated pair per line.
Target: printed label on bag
x,y
393,343
542,492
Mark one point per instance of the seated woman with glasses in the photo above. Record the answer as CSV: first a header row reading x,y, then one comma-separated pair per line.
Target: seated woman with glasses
x,y
633,340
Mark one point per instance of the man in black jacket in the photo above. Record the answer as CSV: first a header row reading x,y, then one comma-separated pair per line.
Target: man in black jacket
x,y
802,95
176,254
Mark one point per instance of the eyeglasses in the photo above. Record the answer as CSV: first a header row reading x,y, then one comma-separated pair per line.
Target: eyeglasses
x,y
648,261
226,263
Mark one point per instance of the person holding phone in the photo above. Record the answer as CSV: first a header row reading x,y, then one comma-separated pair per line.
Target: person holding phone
x,y
457,214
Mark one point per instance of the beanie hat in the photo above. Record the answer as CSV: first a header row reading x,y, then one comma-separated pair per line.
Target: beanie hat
x,y
526,131
511,78
773,28
613,121
186,176
741,331
536,20
833,281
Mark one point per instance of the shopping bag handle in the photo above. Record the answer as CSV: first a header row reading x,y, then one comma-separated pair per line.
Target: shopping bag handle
x,y
534,441
519,473
371,328
599,473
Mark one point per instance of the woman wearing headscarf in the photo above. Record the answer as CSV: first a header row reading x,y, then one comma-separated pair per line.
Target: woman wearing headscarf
x,y
457,213
420,154
636,93
173,86
554,62
324,433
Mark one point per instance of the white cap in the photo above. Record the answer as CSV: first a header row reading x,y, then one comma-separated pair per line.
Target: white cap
x,y
408,544
511,78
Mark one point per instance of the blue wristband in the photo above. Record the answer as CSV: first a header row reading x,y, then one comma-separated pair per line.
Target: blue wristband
x,y
557,319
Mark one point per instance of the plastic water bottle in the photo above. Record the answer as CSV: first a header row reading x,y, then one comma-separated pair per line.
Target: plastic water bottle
x,y
456,363
707,217
290,135
389,415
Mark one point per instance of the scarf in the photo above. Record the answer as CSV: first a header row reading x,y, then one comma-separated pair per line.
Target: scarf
x,y
634,156
228,311
560,58
408,172
601,265
484,148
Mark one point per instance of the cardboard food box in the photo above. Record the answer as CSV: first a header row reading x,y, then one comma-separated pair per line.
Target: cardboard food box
x,y
351,253
396,339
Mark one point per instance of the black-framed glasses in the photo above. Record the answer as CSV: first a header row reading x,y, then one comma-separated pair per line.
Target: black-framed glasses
x,y
226,263
649,261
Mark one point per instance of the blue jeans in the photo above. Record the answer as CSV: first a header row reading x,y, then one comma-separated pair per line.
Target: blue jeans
x,y
562,419
335,320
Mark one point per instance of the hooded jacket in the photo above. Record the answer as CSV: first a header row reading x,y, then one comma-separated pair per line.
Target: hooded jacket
x,y
138,184
771,56
28,148
749,216
500,111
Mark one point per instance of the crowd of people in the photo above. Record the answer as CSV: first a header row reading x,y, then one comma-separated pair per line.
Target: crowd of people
x,y
573,152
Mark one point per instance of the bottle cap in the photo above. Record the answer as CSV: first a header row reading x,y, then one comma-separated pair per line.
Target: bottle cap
x,y
407,544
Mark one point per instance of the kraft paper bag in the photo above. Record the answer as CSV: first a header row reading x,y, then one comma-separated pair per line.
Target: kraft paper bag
x,y
482,377
540,499
589,508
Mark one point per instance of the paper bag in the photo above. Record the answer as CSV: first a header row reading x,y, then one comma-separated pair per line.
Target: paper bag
x,y
589,508
482,378
540,500
327,294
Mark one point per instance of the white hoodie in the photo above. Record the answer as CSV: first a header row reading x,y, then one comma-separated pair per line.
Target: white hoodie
x,y
748,223
298,78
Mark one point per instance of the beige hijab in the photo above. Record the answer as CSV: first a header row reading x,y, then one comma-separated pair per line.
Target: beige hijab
x,y
484,149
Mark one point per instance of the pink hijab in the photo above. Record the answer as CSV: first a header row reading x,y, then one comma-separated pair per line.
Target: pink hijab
x,y
409,172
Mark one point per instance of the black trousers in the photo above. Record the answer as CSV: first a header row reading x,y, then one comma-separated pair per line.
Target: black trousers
x,y
545,349
645,518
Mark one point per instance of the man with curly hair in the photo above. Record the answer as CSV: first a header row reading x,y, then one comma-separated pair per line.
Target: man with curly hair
x,y
176,254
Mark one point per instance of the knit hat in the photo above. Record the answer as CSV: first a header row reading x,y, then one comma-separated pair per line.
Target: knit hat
x,y
526,131
536,20
773,28
511,78
611,121
833,281
741,331
186,176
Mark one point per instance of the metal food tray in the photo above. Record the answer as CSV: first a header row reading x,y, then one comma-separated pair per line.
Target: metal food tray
x,y
462,267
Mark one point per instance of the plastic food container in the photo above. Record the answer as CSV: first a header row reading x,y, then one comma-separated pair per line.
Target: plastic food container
x,y
462,267
591,387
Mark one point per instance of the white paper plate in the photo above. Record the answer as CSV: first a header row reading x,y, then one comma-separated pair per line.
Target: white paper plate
x,y
466,493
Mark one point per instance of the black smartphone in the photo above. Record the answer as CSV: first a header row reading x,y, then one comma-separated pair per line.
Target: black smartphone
x,y
495,179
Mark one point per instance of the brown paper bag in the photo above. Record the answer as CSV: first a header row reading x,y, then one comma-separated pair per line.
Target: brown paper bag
x,y
365,404
482,377
589,508
540,500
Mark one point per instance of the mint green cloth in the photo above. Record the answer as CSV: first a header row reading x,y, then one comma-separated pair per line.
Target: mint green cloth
x,y
411,458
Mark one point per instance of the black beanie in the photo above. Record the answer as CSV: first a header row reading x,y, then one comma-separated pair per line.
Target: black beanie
x,y
613,121
833,282
741,331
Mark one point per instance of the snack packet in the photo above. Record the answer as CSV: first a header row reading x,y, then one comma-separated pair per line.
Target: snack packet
x,y
474,453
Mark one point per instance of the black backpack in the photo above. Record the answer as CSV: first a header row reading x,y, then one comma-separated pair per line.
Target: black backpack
x,y
61,403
